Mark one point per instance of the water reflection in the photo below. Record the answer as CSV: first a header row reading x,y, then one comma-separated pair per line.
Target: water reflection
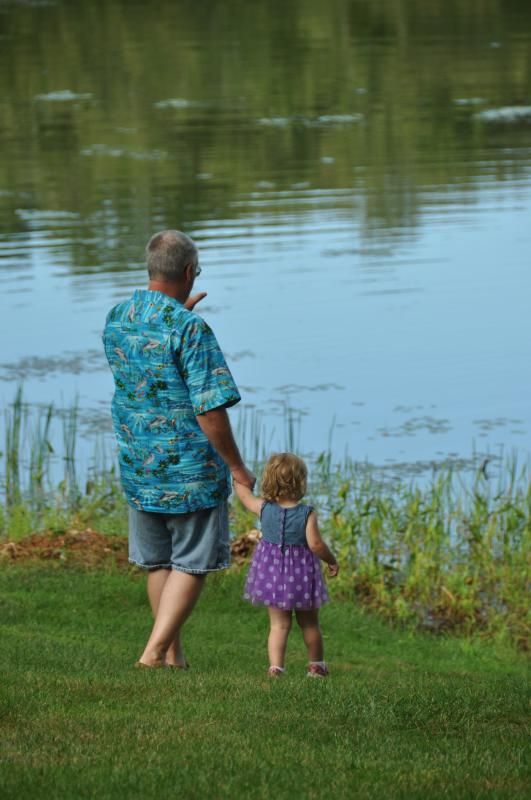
x,y
357,176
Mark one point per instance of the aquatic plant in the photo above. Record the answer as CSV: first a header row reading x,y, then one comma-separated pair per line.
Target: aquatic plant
x,y
39,481
450,552
13,420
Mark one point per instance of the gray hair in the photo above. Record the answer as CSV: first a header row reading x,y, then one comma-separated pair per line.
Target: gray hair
x,y
168,253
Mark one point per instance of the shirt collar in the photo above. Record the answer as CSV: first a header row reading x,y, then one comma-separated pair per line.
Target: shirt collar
x,y
155,297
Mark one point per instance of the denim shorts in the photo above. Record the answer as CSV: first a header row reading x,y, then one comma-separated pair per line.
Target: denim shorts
x,y
197,542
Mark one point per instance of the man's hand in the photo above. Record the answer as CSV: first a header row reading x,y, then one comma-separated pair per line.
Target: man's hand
x,y
216,427
193,300
244,476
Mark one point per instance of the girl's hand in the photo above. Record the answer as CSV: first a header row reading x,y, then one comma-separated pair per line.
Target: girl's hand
x,y
318,546
247,497
333,569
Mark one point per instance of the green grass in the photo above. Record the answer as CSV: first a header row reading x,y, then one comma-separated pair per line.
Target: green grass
x,y
403,715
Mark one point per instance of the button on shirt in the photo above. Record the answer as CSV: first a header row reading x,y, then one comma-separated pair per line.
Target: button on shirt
x,y
168,368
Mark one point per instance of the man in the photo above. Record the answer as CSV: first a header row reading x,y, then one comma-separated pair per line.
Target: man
x,y
176,447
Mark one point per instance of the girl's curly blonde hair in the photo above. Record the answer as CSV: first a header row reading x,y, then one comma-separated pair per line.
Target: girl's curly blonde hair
x,y
284,478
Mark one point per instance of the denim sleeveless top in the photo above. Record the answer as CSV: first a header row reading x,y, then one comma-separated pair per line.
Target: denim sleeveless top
x,y
284,526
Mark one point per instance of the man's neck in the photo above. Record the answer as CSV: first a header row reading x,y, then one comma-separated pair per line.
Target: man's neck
x,y
175,290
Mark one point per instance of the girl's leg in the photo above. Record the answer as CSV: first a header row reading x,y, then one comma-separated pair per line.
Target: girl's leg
x,y
311,633
155,584
279,628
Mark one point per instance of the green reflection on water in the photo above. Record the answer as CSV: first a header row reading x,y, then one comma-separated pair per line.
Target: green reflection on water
x,y
133,116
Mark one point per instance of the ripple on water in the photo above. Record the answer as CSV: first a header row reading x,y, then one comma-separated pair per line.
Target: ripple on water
x,y
239,355
179,103
293,388
323,120
72,362
469,101
417,424
453,462
495,423
63,96
121,152
505,115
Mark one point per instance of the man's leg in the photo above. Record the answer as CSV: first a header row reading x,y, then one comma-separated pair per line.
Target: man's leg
x,y
172,597
155,583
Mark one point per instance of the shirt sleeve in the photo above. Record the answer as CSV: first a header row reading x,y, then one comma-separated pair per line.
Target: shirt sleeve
x,y
204,369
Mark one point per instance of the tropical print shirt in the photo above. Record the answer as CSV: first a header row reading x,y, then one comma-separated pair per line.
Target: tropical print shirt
x,y
167,368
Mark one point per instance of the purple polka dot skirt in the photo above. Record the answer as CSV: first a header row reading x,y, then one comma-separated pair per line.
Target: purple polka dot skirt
x,y
290,578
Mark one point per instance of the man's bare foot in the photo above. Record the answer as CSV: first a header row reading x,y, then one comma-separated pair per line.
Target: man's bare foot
x,y
175,657
152,658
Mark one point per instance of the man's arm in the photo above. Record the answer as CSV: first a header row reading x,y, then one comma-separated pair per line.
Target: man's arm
x,y
215,424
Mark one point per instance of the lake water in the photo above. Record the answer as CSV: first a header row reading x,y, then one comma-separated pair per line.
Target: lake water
x,y
357,175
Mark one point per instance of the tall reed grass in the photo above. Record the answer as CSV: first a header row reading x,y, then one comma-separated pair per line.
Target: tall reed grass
x,y
452,553
40,485
447,553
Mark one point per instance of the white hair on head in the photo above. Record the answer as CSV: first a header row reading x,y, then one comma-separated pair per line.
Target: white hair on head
x,y
168,253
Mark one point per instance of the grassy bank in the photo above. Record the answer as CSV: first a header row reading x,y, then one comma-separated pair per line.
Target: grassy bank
x,y
403,715
450,552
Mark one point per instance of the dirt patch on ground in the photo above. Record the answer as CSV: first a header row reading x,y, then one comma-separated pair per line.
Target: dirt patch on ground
x,y
242,547
92,549
85,547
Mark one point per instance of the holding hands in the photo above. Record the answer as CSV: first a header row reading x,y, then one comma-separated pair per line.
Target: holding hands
x,y
243,477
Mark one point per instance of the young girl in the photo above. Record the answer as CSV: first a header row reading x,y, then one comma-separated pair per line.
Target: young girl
x,y
285,573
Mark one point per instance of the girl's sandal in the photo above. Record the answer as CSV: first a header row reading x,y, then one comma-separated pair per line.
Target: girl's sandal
x,y
317,671
275,672
141,665
186,665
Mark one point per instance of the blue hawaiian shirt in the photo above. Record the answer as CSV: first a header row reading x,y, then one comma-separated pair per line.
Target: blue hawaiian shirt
x,y
167,368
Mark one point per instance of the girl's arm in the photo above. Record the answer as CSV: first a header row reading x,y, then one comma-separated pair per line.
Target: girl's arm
x,y
318,546
248,499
